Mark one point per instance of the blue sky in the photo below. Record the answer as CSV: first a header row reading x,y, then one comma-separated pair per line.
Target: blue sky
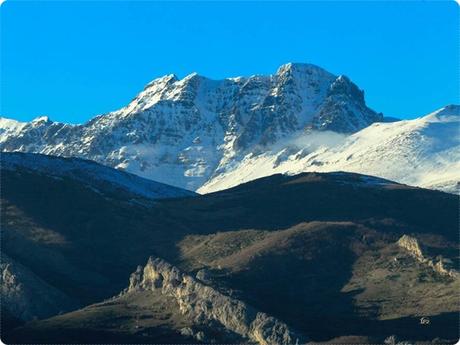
x,y
74,60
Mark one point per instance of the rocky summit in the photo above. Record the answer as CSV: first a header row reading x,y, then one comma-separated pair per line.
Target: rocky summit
x,y
207,135
184,131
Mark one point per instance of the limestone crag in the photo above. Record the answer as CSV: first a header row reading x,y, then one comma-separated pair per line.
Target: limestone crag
x,y
203,303
412,245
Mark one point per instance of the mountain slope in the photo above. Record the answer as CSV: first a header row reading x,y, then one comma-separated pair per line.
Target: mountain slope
x,y
422,152
297,248
95,176
39,263
159,294
182,132
25,296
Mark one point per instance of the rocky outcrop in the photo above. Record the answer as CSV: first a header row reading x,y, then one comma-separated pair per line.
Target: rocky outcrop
x,y
343,108
26,296
203,303
412,246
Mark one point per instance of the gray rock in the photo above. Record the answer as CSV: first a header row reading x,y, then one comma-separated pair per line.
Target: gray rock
x,y
412,246
26,296
203,303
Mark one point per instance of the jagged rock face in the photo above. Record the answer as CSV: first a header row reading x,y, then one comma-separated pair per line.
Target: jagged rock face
x,y
342,108
182,132
412,245
202,302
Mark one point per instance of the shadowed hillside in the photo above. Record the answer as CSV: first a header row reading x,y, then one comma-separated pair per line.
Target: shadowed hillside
x,y
320,252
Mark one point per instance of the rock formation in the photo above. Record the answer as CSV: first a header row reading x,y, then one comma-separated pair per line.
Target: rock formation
x,y
412,245
26,296
203,303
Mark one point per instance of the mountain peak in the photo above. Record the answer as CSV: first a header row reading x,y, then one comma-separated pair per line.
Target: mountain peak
x,y
298,67
344,85
192,79
192,76
154,135
162,80
41,119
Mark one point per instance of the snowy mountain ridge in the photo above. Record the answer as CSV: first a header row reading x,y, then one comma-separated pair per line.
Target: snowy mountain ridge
x,y
207,135
422,152
183,132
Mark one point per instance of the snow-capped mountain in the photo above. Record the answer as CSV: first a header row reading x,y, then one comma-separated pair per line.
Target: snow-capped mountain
x,y
208,135
189,132
421,152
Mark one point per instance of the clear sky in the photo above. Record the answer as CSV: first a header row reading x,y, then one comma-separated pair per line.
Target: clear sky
x,y
74,60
